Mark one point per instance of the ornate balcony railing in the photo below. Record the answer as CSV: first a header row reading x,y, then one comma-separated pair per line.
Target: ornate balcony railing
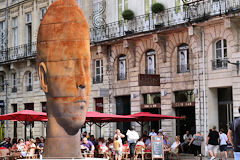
x,y
192,12
219,63
18,52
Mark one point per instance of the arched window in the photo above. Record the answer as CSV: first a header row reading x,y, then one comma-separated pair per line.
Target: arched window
x,y
122,71
183,59
150,62
220,60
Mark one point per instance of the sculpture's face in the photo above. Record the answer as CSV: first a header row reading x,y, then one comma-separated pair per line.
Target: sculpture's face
x,y
68,81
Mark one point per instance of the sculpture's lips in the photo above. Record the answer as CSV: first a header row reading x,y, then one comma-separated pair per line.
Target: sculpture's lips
x,y
80,101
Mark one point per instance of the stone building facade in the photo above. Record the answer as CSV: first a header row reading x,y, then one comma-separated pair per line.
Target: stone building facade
x,y
174,63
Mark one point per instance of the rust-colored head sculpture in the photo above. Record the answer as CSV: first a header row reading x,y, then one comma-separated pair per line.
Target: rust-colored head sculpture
x,y
63,63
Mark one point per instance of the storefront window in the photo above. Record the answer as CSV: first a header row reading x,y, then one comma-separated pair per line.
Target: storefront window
x,y
152,98
184,96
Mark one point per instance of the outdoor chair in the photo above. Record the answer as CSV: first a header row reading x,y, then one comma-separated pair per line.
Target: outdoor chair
x,y
125,152
31,154
4,153
139,150
176,152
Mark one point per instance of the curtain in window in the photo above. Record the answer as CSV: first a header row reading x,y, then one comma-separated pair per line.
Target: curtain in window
x,y
122,5
177,6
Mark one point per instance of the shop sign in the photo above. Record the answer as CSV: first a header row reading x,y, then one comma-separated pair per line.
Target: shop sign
x,y
146,106
149,80
183,104
157,147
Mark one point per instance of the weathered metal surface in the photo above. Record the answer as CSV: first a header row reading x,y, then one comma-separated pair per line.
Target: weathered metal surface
x,y
63,62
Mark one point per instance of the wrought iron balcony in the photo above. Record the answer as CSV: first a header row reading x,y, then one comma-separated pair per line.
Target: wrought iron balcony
x,y
183,68
97,79
18,52
29,88
192,12
219,63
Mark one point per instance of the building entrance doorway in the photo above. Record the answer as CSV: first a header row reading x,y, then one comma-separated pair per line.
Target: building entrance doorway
x,y
123,107
187,124
225,108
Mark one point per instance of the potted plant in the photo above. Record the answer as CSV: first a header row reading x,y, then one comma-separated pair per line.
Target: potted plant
x,y
128,15
157,9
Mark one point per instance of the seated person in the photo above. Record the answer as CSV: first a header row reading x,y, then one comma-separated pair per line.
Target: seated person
x,y
31,148
40,146
148,142
174,147
141,143
7,143
187,138
87,146
21,147
166,143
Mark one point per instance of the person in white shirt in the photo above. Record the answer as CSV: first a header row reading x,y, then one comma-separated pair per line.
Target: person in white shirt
x,y
153,133
223,143
132,137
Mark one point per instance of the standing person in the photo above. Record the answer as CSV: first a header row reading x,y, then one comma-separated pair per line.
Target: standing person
x,y
212,142
223,143
234,136
132,138
116,146
197,142
153,133
120,136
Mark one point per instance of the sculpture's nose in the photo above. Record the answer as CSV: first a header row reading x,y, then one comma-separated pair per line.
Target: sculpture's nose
x,y
80,76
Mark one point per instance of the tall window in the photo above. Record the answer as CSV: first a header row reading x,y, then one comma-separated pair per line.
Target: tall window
x,y
98,71
147,6
151,62
29,81
183,59
28,32
15,31
14,82
122,73
42,12
220,54
1,83
122,5
28,28
2,36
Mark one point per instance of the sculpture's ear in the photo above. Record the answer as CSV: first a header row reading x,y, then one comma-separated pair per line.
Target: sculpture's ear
x,y
42,72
